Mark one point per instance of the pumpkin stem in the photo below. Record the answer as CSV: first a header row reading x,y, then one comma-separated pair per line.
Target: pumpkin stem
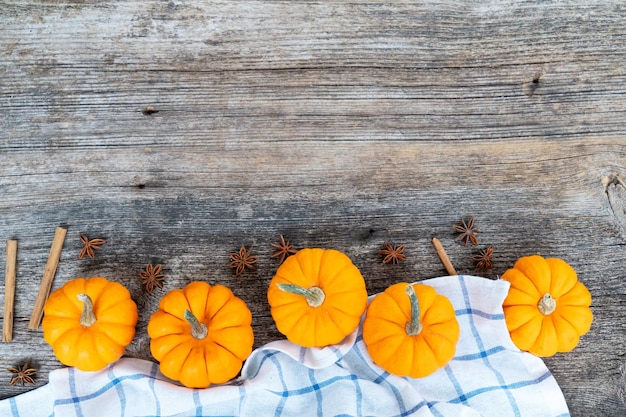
x,y
198,330
413,327
87,318
314,296
547,305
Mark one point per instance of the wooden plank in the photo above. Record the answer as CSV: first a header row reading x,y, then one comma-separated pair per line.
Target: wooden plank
x,y
340,125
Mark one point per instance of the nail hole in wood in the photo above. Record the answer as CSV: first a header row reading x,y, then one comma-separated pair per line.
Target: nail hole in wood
x,y
149,110
534,85
614,180
536,78
139,183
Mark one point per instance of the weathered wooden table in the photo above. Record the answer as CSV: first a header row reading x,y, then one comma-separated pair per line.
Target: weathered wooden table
x,y
179,131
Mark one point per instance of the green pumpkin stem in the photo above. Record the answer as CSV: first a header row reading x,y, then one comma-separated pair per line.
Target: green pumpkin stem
x,y
547,305
314,296
413,327
87,318
198,330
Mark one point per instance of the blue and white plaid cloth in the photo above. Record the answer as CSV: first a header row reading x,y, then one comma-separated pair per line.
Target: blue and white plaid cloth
x,y
488,376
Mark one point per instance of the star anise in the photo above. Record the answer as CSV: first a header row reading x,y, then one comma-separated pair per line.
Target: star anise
x,y
152,277
242,260
483,260
467,232
283,249
23,374
90,246
393,254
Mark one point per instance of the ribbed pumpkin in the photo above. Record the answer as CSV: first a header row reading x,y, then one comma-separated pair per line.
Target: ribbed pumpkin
x,y
89,322
317,297
410,330
547,308
201,334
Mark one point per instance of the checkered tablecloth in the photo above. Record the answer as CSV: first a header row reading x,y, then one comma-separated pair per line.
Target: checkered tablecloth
x,y
488,376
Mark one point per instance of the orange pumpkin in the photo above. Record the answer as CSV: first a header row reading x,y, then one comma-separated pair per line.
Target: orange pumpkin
x,y
201,334
411,330
89,322
317,297
547,308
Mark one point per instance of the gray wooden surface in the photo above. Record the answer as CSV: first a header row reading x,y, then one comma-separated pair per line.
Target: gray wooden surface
x,y
179,131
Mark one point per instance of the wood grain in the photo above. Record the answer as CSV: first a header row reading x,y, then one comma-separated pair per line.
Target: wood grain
x,y
179,131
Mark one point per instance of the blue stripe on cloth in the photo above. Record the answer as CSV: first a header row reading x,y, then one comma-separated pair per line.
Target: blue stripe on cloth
x,y
433,410
479,313
302,353
266,355
309,389
455,382
197,403
521,384
481,354
436,412
279,369
75,399
336,351
120,391
153,374
318,393
382,377
406,413
479,342
359,398
14,410
357,387
242,395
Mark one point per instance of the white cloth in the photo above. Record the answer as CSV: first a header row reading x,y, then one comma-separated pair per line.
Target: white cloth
x,y
488,376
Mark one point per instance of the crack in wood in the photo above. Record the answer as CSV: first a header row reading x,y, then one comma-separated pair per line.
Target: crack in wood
x,y
615,190
621,384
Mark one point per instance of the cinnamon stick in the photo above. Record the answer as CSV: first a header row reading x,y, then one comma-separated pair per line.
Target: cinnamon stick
x,y
444,257
9,291
48,277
